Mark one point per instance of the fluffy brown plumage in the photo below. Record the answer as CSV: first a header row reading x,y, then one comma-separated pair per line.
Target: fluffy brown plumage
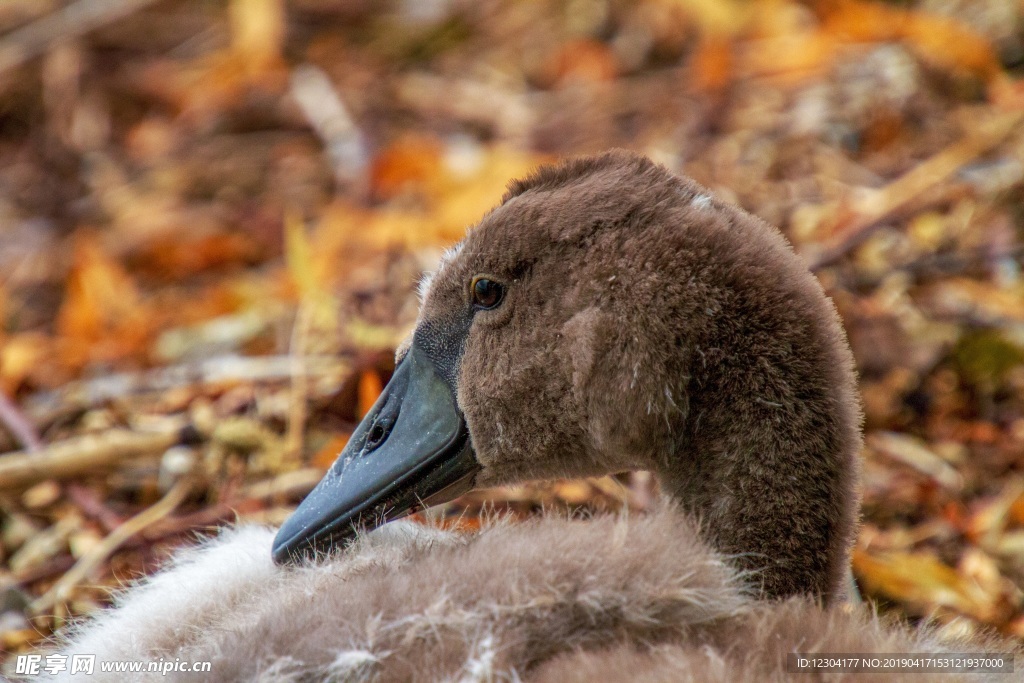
x,y
645,325
551,600
649,326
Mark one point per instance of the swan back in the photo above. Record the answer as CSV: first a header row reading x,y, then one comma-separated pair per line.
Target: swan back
x,y
549,599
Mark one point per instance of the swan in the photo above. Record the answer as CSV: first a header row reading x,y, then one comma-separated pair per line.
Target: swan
x,y
607,315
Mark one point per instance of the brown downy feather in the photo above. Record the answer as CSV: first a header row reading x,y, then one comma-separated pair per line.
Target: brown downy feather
x,y
649,326
547,600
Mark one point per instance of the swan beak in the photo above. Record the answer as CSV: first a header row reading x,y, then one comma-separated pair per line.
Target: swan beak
x,y
412,450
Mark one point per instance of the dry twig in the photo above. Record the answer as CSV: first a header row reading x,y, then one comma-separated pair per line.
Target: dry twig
x,y
300,385
330,118
98,554
81,455
929,173
20,426
68,22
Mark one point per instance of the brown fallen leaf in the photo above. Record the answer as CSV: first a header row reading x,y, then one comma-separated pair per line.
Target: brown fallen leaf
x,y
921,581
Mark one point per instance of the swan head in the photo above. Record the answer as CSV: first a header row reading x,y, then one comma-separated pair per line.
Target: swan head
x,y
607,316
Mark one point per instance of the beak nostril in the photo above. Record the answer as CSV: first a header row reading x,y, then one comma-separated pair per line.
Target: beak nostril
x,y
376,436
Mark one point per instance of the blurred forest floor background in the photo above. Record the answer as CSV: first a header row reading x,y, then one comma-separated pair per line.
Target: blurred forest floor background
x,y
213,216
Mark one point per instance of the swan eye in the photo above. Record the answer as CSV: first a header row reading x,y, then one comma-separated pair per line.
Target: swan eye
x,y
487,293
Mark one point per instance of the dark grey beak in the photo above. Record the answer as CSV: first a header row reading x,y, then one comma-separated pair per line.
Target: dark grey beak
x,y
411,451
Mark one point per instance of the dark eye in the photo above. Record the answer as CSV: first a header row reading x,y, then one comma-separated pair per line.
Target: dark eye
x,y
487,293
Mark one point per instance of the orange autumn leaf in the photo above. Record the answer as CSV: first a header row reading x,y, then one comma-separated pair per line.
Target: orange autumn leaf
x,y
882,131
218,81
989,520
258,30
1006,92
306,271
21,356
152,139
721,17
102,310
369,389
1017,511
406,163
454,199
176,257
328,453
584,60
951,44
462,198
943,41
573,491
921,580
712,63
463,524
864,21
792,58
1015,628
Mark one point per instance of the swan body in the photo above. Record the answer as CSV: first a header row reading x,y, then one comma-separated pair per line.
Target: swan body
x,y
607,315
609,598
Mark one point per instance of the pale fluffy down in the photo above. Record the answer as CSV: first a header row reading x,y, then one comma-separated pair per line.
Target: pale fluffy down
x,y
609,598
